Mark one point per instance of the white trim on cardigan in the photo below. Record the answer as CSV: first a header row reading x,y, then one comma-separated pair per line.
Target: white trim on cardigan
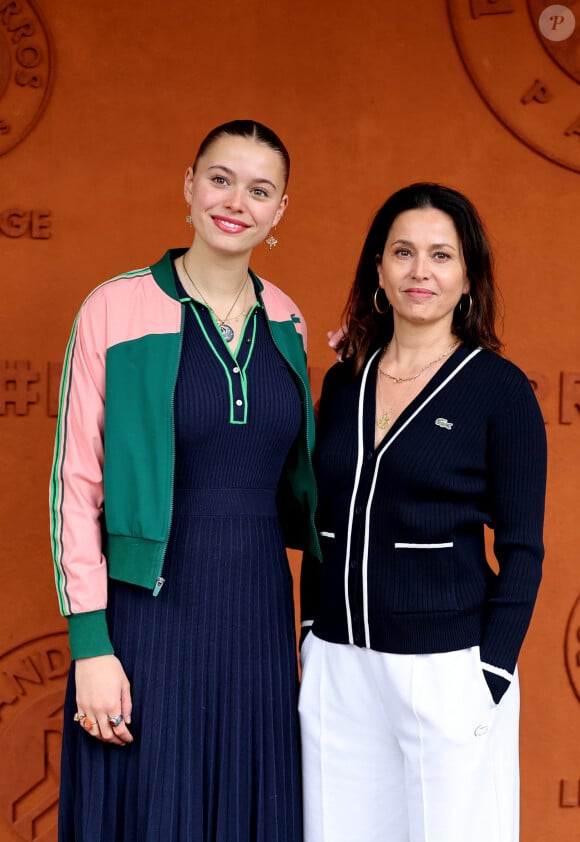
x,y
384,447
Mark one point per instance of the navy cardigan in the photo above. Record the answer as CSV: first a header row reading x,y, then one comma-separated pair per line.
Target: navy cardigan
x,y
402,526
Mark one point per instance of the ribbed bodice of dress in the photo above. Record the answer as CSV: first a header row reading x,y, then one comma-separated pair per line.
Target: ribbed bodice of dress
x,y
234,433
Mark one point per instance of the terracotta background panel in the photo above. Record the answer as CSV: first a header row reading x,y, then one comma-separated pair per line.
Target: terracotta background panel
x,y
368,97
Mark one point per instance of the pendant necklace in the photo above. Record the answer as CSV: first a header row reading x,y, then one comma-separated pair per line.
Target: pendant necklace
x,y
226,330
384,419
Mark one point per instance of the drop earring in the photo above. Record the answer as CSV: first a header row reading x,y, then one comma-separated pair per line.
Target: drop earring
x,y
189,221
271,240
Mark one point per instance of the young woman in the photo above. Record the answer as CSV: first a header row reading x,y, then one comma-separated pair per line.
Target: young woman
x,y
409,700
185,428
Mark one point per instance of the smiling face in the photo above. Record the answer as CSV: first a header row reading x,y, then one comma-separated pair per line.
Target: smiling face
x,y
422,269
236,194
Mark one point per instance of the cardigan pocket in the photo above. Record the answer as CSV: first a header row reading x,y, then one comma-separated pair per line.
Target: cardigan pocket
x,y
421,578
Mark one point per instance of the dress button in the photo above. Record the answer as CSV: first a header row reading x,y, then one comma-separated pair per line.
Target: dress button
x,y
352,564
357,510
369,455
239,402
236,370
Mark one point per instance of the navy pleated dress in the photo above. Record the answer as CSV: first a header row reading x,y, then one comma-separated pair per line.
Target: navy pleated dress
x,y
211,659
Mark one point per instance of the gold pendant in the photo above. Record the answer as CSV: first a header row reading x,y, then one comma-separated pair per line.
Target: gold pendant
x,y
384,421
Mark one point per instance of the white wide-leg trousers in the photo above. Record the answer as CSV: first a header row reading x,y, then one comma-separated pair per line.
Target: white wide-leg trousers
x,y
406,748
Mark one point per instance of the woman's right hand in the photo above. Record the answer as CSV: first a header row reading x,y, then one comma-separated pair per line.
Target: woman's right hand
x,y
103,691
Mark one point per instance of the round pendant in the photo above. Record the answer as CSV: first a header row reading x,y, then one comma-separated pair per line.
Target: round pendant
x,y
227,332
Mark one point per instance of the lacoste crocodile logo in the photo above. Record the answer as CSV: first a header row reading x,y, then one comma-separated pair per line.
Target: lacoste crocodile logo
x,y
443,422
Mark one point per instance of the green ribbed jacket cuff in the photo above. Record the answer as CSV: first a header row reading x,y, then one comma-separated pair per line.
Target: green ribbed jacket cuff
x,y
89,635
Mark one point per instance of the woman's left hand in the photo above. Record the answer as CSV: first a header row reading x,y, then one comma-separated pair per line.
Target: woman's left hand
x,y
103,695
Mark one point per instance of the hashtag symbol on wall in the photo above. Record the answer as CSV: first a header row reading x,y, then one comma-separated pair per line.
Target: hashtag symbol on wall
x,y
16,382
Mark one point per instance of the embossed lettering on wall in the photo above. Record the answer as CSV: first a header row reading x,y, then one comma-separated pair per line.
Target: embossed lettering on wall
x,y
568,390
32,684
569,793
24,386
25,70
523,59
36,224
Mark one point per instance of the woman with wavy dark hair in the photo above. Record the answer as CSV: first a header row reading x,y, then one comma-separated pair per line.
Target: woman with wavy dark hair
x,y
409,700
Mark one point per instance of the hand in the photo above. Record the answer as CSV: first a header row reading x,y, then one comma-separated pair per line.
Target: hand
x,y
103,691
334,338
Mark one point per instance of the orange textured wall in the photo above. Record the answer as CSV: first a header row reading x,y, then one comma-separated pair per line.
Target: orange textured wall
x,y
368,96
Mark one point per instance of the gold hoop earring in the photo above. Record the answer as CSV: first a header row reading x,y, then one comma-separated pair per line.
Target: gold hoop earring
x,y
466,315
376,306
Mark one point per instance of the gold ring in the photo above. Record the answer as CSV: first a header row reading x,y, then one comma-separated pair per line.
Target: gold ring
x,y
78,717
86,722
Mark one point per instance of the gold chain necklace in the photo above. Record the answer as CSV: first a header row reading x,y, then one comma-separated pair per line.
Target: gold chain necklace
x,y
421,370
226,330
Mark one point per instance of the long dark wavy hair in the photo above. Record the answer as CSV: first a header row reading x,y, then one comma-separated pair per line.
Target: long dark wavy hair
x,y
366,330
251,129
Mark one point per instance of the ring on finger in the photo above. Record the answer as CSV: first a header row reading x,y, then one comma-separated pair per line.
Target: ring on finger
x,y
78,717
115,720
87,723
